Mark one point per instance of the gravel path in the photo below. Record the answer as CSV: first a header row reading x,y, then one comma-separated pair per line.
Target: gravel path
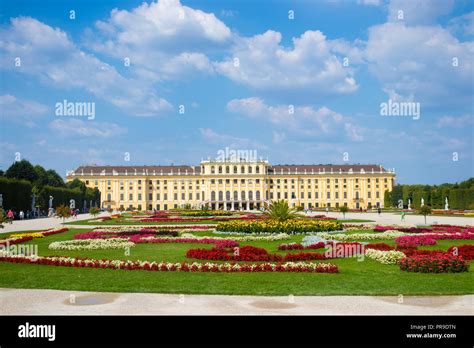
x,y
56,302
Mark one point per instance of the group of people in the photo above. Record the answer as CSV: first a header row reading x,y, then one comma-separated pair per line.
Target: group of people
x,y
21,215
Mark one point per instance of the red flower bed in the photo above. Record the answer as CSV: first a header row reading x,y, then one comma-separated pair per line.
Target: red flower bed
x,y
414,252
49,233
466,251
304,256
8,241
298,246
437,263
245,253
379,246
169,267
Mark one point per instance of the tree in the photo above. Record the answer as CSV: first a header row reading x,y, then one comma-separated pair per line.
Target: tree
x,y
22,170
63,212
77,184
3,218
94,211
344,210
425,210
280,211
47,178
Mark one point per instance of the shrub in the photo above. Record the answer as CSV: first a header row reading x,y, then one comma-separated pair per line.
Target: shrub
x,y
280,211
441,263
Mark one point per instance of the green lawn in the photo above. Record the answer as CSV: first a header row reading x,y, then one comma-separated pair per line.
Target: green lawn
x,y
355,278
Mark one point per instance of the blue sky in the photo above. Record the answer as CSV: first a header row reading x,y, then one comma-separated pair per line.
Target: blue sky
x,y
305,90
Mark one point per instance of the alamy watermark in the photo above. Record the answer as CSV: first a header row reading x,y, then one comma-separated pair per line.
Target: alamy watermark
x,y
67,108
394,108
237,155
29,250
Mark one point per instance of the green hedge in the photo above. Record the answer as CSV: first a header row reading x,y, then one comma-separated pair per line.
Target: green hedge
x,y
461,199
63,196
16,194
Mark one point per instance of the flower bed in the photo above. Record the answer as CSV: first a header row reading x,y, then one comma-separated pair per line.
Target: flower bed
x,y
25,237
466,251
430,239
414,241
92,244
106,235
434,264
390,257
362,236
379,246
298,246
171,267
245,253
224,243
292,226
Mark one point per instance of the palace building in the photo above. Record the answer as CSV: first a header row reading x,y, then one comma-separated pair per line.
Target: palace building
x,y
237,185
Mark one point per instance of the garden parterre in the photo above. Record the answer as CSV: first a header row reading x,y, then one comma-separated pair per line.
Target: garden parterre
x,y
108,239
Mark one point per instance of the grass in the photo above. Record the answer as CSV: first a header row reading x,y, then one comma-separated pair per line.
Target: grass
x,y
365,277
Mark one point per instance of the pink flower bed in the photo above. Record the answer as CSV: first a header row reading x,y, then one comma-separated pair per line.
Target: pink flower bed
x,y
223,243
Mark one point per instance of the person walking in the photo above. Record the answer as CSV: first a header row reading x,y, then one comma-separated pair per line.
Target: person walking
x,y
10,215
22,215
379,210
403,216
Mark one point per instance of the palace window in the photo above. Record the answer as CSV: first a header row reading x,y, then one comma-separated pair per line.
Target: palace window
x,y
220,169
235,169
213,170
139,196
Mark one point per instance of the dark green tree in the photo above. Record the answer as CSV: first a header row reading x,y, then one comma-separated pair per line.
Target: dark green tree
x,y
22,170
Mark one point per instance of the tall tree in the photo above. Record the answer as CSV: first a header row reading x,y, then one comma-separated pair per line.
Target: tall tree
x,y
22,170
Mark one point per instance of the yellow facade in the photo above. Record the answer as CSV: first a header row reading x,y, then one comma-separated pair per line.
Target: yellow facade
x,y
237,185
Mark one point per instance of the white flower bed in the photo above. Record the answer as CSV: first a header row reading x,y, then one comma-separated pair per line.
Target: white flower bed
x,y
389,257
246,238
92,244
364,236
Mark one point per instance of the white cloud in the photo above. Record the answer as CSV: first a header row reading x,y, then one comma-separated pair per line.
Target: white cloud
x,y
50,55
21,110
278,137
463,24
310,64
300,118
229,140
369,2
417,63
416,12
77,127
455,122
163,37
303,120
